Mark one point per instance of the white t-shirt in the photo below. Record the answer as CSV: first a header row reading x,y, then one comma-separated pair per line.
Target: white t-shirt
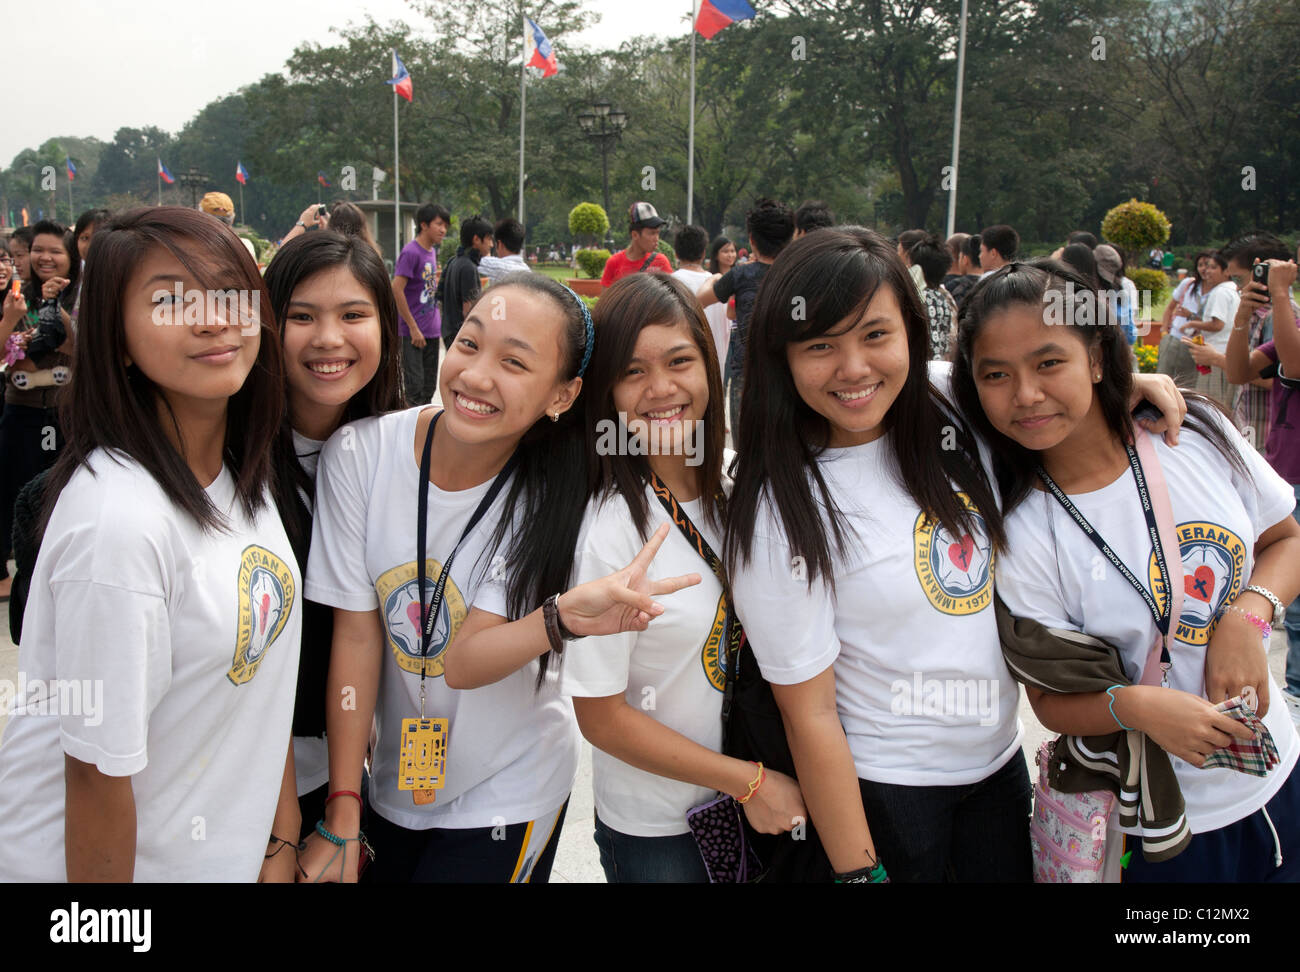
x,y
311,763
1218,515
1221,303
920,684
674,671
715,314
494,267
511,752
187,643
1187,292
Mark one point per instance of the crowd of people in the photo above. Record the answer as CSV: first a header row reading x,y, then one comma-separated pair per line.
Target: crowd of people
x,y
364,634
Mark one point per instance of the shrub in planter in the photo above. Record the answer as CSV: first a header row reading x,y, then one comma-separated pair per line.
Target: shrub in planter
x,y
666,249
1145,278
588,222
592,262
1135,227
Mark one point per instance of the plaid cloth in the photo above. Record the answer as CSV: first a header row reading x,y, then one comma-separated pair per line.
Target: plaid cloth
x,y
1255,757
1251,412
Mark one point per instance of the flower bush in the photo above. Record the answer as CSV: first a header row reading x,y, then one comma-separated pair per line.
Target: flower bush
x,y
1135,226
588,222
1147,358
592,262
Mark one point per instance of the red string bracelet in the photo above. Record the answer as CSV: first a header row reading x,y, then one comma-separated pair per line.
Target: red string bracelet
x,y
338,793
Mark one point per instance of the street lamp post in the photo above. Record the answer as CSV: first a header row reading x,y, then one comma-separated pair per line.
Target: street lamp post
x,y
604,124
193,180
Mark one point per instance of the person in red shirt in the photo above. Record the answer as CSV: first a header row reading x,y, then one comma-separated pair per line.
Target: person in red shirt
x,y
641,253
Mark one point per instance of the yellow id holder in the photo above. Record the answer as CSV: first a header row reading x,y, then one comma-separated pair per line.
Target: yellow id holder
x,y
422,766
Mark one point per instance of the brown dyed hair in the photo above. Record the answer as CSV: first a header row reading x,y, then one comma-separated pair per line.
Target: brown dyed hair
x,y
631,304
109,405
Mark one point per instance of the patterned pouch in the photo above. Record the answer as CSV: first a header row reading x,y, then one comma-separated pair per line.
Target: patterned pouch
x,y
720,836
1067,833
1256,756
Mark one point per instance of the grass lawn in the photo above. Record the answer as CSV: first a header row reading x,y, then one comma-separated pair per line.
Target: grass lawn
x,y
556,273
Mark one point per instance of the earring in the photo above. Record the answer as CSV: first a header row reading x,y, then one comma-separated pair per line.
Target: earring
x,y
555,416
1096,377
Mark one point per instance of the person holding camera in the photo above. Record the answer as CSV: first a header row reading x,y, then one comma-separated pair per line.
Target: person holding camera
x,y
1270,285
314,216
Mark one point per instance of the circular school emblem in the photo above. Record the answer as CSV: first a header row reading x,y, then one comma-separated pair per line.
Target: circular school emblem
x,y
1213,558
713,656
399,600
266,594
956,573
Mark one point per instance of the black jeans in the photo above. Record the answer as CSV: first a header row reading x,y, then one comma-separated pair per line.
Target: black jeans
x,y
972,832
29,443
420,370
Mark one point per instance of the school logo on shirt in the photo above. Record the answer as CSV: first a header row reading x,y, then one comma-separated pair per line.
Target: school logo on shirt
x,y
956,573
1213,558
399,599
265,599
713,656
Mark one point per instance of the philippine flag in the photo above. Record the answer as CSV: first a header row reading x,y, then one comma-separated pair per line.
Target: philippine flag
x,y
716,14
320,177
401,79
72,169
543,56
241,174
164,173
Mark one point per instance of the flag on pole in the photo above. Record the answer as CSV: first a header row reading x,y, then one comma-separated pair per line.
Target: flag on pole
x,y
543,55
241,174
165,173
401,79
716,14
320,177
72,169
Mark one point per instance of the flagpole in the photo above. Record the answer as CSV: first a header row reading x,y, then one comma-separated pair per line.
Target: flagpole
x,y
159,183
72,211
956,122
523,94
397,189
690,140
241,203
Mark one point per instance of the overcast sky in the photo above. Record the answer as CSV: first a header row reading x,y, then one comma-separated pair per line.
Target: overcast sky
x,y
111,63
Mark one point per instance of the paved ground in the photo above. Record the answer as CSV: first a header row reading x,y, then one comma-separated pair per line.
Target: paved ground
x,y
577,859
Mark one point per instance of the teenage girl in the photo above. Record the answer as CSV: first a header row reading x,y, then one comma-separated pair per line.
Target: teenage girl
x,y
1054,399
165,590
497,476
861,537
338,326
649,700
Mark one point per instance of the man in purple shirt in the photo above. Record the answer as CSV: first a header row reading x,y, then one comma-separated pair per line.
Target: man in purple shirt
x,y
1278,359
415,280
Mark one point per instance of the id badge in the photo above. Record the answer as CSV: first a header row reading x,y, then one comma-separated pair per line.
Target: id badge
x,y
422,763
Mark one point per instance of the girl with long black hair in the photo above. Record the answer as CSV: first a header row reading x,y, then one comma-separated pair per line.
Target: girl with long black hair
x,y
649,699
413,509
165,589
338,326
1052,401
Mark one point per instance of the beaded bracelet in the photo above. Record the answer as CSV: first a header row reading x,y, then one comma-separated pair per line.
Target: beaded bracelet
x,y
754,784
1264,627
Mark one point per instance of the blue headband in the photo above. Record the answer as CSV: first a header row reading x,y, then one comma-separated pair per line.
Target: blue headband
x,y
590,331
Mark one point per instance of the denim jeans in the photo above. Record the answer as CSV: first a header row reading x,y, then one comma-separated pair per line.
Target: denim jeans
x,y
1293,630
971,832
733,379
649,860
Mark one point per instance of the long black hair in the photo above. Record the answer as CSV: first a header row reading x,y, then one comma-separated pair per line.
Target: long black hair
x,y
833,274
711,262
1058,290
623,311
299,259
110,405
547,497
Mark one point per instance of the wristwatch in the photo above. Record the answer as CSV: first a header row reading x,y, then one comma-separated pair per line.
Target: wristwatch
x,y
1279,609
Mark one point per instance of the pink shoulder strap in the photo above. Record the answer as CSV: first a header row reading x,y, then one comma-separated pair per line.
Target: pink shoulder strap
x,y
1159,491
